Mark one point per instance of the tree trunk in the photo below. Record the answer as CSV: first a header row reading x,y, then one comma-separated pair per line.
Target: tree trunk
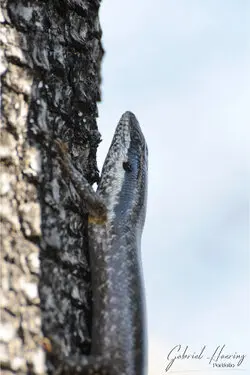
x,y
51,55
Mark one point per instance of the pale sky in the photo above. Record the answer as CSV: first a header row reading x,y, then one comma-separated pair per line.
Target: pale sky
x,y
183,68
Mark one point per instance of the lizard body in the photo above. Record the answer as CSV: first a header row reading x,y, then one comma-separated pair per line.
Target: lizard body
x,y
116,218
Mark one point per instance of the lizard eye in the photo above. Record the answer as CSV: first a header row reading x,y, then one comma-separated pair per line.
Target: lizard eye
x,y
127,166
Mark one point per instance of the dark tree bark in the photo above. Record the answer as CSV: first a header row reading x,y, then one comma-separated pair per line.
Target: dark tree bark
x,y
51,55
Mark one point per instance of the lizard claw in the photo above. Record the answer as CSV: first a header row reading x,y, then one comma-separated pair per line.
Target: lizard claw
x,y
63,154
62,147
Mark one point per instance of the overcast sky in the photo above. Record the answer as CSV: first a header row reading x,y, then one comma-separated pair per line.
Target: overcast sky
x,y
183,68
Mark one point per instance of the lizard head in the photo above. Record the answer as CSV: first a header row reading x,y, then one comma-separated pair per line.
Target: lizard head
x,y
123,184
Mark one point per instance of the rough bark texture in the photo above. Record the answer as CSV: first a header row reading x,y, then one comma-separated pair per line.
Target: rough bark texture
x,y
51,54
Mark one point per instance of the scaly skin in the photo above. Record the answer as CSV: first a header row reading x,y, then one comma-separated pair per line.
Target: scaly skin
x,y
116,219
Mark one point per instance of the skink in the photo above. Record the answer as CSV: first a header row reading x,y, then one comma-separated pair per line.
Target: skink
x,y
116,219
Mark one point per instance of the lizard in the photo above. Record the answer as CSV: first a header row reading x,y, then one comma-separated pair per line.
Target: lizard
x,y
116,216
